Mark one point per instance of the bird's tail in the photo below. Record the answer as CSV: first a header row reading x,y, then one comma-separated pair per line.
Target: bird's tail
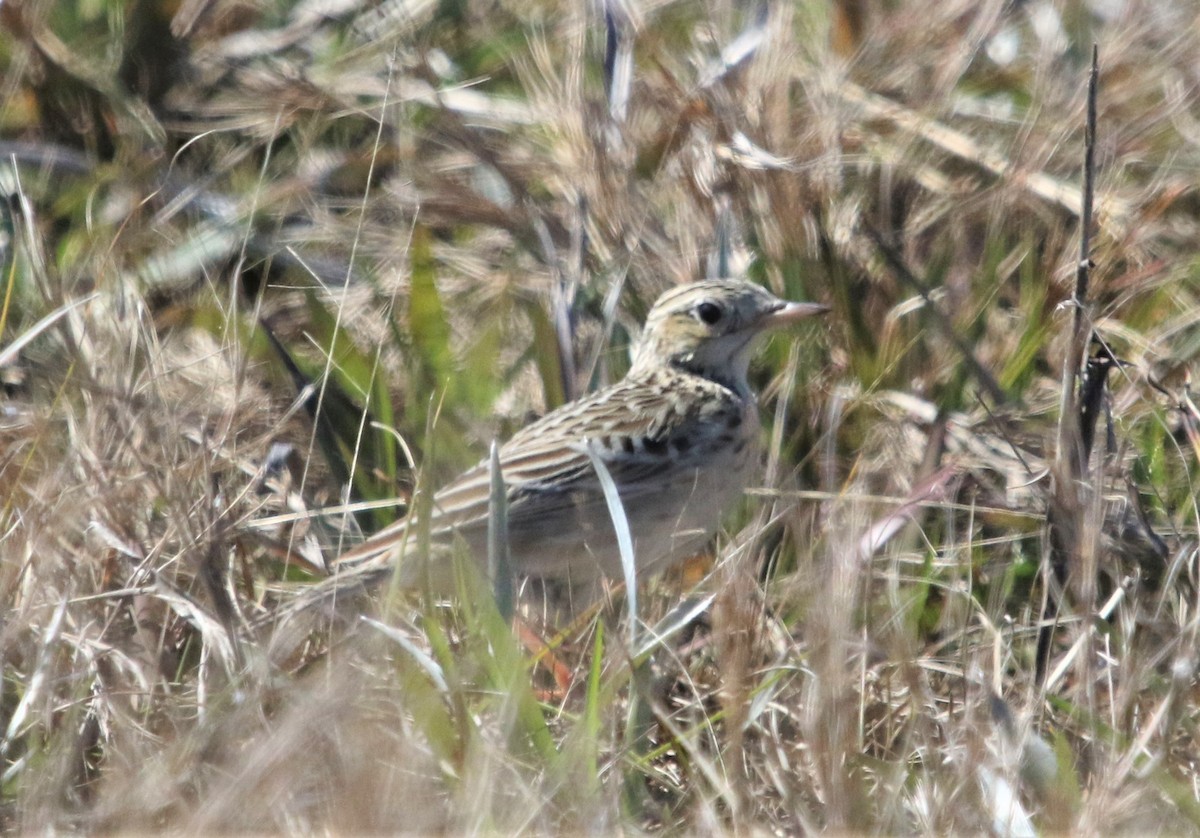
x,y
332,606
383,548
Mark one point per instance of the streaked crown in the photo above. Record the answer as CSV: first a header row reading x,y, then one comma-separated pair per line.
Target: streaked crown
x,y
709,328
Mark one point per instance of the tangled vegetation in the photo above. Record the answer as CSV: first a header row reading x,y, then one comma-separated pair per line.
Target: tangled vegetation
x,y
271,270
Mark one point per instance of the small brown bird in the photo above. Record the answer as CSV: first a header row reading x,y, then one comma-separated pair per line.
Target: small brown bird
x,y
678,435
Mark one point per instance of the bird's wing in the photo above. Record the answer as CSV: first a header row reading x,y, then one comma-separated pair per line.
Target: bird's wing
x,y
547,466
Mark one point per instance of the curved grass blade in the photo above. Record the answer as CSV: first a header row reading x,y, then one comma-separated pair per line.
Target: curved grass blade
x,y
499,564
616,511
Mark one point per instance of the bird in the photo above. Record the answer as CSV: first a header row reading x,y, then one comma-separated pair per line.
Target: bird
x,y
679,436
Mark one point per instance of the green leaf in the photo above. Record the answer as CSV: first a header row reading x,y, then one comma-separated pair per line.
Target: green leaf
x,y
427,317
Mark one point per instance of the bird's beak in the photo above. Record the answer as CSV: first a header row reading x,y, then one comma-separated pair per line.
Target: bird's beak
x,y
789,313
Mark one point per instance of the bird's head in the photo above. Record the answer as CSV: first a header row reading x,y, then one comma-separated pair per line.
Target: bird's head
x,y
710,328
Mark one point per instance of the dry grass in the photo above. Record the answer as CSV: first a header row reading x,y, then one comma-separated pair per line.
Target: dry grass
x,y
455,214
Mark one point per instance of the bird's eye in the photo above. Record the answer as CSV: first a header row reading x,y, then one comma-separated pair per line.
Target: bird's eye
x,y
709,313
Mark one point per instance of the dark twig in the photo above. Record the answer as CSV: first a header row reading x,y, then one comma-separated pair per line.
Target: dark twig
x,y
1069,437
1078,414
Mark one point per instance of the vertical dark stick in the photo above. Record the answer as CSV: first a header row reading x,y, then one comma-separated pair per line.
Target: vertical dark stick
x,y
1089,186
1064,517
1089,392
1068,438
